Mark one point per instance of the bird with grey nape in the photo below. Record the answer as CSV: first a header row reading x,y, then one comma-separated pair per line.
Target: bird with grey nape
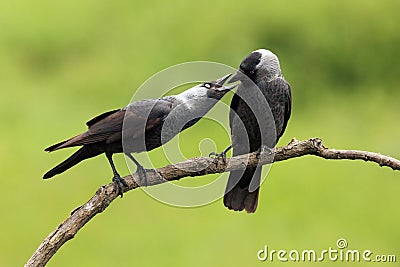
x,y
258,118
142,123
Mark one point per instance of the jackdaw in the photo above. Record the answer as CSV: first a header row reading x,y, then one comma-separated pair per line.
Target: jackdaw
x,y
254,126
139,127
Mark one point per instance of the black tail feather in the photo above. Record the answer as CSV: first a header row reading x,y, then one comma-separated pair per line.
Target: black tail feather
x,y
238,196
83,153
55,146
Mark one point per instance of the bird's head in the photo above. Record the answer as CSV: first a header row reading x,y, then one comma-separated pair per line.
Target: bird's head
x,y
212,89
259,64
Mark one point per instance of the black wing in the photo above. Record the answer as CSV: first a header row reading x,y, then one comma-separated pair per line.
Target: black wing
x,y
287,94
100,117
107,127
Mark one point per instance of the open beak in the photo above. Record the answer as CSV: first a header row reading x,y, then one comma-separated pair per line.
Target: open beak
x,y
237,77
228,87
221,82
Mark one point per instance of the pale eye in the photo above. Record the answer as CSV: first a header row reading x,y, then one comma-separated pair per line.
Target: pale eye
x,y
207,85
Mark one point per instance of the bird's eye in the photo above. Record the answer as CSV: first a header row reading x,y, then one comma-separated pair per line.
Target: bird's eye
x,y
207,85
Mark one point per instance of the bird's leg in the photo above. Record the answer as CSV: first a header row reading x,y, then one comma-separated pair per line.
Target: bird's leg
x,y
221,155
140,170
117,180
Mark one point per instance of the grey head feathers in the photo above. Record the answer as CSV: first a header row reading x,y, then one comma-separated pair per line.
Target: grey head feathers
x,y
261,63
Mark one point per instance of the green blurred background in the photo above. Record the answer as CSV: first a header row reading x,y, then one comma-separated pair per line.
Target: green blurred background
x,y
63,62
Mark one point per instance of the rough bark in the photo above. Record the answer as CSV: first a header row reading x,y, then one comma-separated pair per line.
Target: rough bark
x,y
193,167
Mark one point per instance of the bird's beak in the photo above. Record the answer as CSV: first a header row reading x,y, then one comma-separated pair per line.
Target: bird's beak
x,y
222,80
228,87
237,77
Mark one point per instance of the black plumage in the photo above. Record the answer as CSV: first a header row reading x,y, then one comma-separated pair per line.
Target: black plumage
x,y
261,68
138,127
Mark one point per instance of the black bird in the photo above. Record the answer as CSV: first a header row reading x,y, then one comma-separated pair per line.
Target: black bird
x,y
261,68
140,127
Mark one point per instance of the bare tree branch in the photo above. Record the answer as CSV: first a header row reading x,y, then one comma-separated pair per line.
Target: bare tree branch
x,y
193,167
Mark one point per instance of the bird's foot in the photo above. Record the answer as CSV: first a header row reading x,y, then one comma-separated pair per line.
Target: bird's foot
x,y
141,171
218,156
118,183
